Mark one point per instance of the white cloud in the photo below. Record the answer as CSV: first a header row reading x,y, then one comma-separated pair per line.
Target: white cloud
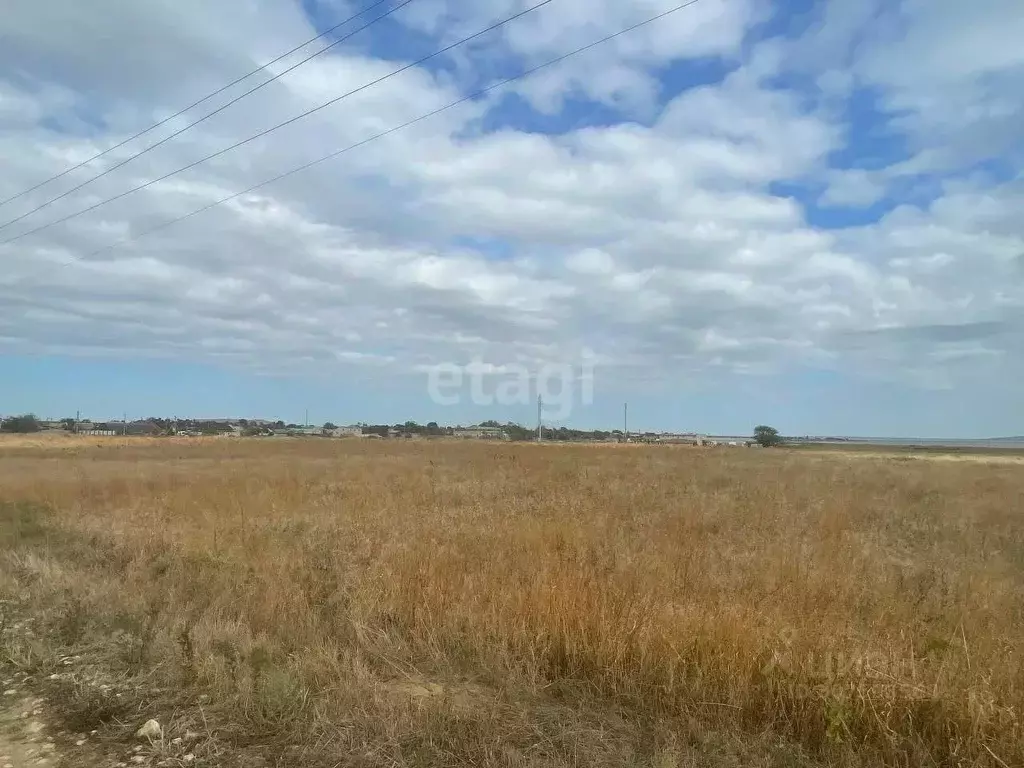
x,y
948,74
855,188
661,244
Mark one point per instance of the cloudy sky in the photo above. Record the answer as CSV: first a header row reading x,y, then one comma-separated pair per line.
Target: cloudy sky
x,y
809,214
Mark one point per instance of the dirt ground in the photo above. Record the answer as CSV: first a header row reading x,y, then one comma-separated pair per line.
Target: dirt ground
x,y
41,725
31,735
24,740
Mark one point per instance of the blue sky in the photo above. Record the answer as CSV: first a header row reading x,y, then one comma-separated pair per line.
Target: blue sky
x,y
810,402
805,214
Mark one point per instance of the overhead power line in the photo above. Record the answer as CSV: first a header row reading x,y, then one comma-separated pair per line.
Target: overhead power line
x,y
193,105
194,123
289,121
389,131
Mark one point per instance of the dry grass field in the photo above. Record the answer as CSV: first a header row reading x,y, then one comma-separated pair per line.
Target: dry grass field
x,y
433,603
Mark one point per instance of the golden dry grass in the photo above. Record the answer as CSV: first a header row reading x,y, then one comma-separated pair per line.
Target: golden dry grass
x,y
465,604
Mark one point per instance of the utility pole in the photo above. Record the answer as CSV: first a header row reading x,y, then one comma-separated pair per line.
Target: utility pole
x,y
625,422
124,424
78,418
540,405
306,422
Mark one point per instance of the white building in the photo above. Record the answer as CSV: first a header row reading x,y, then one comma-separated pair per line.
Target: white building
x,y
480,433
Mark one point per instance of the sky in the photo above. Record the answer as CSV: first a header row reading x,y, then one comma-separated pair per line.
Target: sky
x,y
805,214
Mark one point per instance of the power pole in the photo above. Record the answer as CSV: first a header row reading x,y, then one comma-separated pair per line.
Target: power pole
x,y
625,421
540,404
306,422
124,424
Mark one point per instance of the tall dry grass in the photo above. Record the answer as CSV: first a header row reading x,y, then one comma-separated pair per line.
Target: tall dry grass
x,y
438,603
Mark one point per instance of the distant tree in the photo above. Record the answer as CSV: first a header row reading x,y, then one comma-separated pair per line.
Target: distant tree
x,y
21,424
766,436
330,425
516,432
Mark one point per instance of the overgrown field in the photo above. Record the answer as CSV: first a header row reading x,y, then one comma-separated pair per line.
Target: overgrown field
x,y
437,603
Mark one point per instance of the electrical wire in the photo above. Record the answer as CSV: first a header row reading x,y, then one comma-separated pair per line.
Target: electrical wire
x,y
470,97
291,120
193,105
204,118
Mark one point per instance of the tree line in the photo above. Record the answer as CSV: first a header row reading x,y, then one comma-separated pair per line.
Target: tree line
x,y
28,423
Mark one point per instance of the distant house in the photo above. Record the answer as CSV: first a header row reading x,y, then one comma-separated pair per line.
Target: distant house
x,y
215,425
677,438
97,430
344,432
136,428
480,433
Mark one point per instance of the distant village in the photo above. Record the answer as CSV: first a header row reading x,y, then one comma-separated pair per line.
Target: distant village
x,y
410,430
